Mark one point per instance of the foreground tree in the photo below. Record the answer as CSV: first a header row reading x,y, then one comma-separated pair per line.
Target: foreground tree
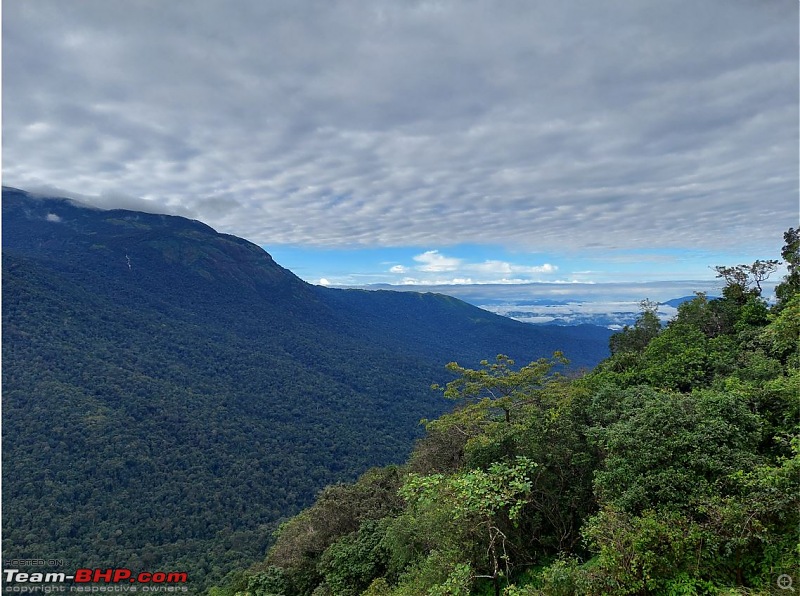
x,y
744,280
634,339
673,468
790,286
479,504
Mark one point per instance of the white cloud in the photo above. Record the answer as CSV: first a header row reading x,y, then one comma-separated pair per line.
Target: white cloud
x,y
455,281
53,217
324,282
490,271
433,261
503,267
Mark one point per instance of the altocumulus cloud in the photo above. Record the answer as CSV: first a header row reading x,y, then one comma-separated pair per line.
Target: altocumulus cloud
x,y
542,125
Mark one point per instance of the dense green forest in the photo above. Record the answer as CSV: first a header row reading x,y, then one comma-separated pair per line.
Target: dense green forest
x,y
170,394
672,468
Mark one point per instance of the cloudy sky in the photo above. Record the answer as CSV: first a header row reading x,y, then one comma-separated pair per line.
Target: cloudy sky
x,y
422,142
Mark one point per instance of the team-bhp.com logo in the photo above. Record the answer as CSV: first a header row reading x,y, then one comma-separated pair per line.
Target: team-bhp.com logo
x,y
110,580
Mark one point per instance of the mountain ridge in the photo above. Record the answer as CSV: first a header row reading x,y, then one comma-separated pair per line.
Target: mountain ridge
x,y
160,378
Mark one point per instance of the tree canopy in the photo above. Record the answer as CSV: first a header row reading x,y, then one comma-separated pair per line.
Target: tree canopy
x,y
671,468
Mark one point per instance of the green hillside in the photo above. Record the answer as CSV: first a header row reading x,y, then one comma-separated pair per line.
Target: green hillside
x,y
672,468
170,394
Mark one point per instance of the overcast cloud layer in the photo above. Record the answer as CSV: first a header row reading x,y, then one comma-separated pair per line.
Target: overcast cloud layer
x,y
555,125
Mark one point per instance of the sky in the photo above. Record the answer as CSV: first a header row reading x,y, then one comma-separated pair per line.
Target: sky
x,y
422,142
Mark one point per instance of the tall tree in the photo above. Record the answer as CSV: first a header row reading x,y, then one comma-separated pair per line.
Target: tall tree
x,y
791,256
745,280
636,338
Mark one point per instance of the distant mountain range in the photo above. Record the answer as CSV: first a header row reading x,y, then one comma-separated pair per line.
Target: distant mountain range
x,y
611,305
676,302
170,393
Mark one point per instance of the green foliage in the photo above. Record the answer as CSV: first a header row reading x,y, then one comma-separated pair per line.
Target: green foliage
x,y
677,359
744,281
634,339
673,468
137,437
550,431
442,449
779,402
671,449
350,564
782,335
499,380
757,521
563,577
170,413
478,501
339,513
497,403
458,583
701,345
475,493
790,286
378,587
270,582
640,554
754,313
498,386
438,574
703,314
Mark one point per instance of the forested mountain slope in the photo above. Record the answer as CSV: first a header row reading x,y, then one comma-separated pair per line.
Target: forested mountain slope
x,y
671,468
169,392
